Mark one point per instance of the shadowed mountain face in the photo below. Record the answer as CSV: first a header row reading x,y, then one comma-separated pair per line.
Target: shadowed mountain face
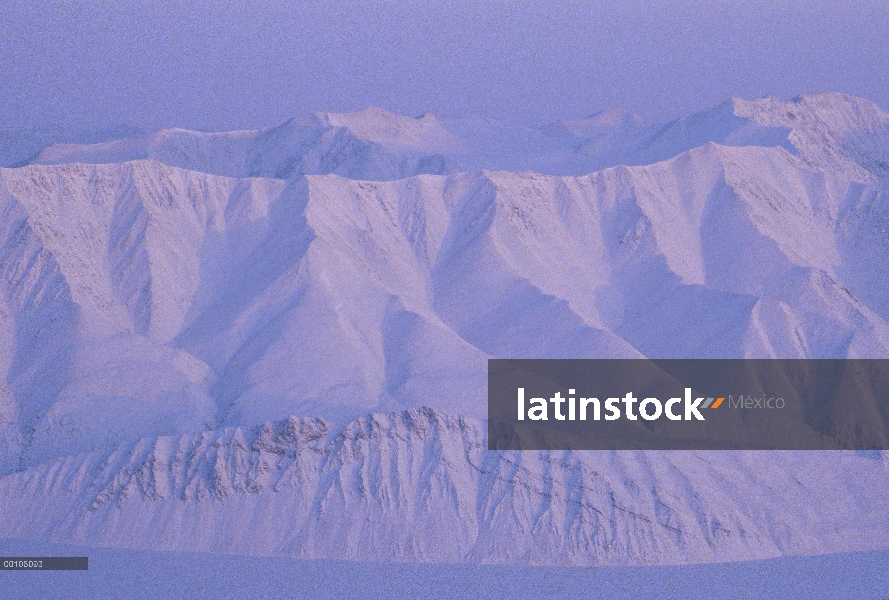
x,y
175,283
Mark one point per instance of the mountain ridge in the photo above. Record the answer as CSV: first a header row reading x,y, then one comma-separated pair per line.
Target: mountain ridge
x,y
160,325
375,144
417,485
232,301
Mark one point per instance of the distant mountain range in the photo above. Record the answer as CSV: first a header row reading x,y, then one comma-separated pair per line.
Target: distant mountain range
x,y
825,129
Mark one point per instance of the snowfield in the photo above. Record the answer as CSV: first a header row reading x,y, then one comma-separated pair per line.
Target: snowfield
x,y
116,573
274,342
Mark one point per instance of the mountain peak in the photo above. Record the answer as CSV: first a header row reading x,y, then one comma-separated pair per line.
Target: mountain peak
x,y
831,130
378,125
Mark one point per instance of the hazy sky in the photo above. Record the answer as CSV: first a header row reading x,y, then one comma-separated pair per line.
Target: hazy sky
x,y
224,64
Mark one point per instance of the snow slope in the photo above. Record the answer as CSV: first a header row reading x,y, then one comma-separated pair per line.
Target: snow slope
x,y
419,485
154,312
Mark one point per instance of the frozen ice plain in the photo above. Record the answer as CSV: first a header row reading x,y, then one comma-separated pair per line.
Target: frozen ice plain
x,y
274,342
117,573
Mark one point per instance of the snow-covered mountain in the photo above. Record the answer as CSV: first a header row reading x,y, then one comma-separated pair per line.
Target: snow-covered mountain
x,y
164,296
418,485
20,145
832,131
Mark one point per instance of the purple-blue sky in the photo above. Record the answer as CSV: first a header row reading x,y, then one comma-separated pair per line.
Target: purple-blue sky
x,y
225,64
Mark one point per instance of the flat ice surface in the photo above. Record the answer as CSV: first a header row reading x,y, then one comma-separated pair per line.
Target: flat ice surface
x,y
117,573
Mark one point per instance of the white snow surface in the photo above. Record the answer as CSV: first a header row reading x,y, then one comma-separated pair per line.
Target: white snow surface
x,y
127,573
230,340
